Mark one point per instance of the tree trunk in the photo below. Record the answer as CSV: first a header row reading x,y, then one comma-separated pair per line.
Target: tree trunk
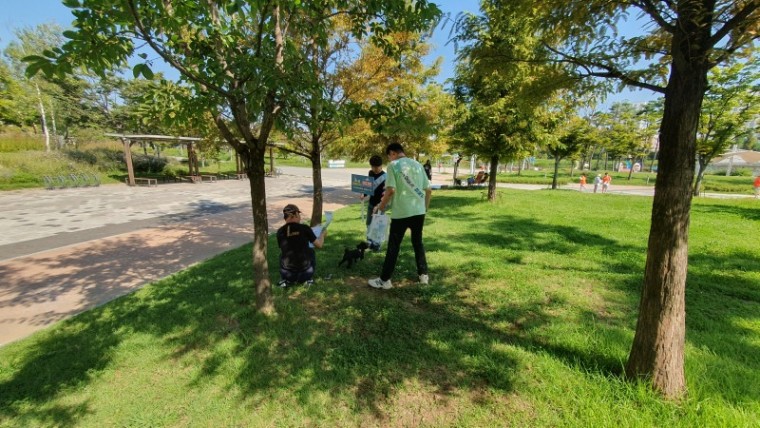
x,y
255,171
702,164
557,159
492,178
630,169
43,119
318,198
58,145
658,346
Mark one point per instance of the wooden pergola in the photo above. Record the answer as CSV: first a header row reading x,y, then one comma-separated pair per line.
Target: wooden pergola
x,y
129,139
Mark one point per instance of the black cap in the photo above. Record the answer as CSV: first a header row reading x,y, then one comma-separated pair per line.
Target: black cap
x,y
291,209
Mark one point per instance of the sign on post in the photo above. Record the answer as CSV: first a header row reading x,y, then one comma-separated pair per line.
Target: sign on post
x,y
362,184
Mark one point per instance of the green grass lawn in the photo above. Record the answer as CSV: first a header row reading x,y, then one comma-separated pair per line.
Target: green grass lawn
x,y
528,321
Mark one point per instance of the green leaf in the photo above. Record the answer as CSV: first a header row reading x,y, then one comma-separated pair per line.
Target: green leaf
x,y
147,72
137,69
143,69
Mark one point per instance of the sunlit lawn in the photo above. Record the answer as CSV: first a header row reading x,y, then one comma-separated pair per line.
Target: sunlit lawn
x,y
528,321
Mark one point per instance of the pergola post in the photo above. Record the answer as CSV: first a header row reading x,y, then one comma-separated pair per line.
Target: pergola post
x,y
271,161
238,164
192,160
128,159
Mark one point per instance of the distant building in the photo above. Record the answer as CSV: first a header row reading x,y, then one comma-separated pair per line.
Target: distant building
x,y
737,159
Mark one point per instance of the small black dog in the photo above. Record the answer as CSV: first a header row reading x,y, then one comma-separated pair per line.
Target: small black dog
x,y
351,256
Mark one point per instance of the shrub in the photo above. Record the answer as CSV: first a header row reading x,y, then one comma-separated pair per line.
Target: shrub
x,y
147,164
81,156
174,170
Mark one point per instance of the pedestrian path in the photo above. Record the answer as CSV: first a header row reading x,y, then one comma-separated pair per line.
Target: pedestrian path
x,y
60,267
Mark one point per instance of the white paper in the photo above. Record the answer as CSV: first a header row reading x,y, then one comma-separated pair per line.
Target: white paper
x,y
318,228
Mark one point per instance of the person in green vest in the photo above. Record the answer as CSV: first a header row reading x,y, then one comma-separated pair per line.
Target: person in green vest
x,y
407,191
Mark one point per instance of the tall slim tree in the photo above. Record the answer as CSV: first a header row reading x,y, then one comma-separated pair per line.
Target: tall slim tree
x,y
573,138
502,98
242,58
729,112
35,41
682,41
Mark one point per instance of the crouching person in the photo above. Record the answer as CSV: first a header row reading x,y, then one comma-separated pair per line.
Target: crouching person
x,y
297,260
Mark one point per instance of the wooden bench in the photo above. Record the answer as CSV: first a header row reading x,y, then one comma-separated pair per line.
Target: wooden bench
x,y
209,178
142,180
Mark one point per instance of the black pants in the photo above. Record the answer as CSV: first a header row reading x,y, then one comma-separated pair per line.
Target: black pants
x,y
398,229
303,275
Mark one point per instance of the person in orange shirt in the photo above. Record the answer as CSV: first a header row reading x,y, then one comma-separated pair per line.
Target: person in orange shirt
x,y
583,183
757,186
606,182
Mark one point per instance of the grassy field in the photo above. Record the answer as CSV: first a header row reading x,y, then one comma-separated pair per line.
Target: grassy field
x,y
528,321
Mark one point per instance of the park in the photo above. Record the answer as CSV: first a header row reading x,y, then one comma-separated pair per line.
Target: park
x,y
138,212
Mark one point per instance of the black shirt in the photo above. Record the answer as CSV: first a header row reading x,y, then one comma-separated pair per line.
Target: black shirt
x,y
375,198
294,239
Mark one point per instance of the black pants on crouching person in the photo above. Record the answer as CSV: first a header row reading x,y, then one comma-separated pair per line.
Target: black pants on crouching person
x,y
396,236
292,276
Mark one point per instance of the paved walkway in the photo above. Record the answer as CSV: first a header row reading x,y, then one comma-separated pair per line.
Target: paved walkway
x,y
65,251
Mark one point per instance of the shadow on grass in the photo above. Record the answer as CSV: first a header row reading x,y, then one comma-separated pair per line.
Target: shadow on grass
x,y
746,212
338,335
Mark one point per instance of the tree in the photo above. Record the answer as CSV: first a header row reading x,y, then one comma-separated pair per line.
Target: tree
x,y
502,99
623,132
683,40
729,112
35,41
332,105
243,59
570,143
394,100
16,104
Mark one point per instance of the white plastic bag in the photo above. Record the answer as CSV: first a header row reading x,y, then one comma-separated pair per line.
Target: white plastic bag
x,y
378,229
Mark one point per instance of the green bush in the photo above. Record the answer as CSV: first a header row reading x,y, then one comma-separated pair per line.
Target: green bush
x,y
174,170
81,156
147,164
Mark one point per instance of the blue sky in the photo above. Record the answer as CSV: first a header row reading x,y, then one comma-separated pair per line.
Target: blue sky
x,y
29,13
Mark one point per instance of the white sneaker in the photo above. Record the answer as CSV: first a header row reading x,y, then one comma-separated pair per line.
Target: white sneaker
x,y
424,279
379,283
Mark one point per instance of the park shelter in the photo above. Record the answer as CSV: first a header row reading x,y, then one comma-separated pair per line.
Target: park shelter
x,y
129,139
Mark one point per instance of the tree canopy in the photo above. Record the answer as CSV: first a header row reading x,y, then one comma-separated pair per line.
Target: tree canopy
x,y
245,62
681,42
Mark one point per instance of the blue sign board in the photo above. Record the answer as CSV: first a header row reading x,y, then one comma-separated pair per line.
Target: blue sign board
x,y
362,184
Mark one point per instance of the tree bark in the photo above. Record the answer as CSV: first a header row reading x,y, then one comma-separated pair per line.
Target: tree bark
x,y
492,178
316,174
43,118
658,346
255,172
557,159
702,162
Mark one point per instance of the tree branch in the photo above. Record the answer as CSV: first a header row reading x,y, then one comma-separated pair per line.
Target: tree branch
x,y
169,58
650,9
608,73
739,18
